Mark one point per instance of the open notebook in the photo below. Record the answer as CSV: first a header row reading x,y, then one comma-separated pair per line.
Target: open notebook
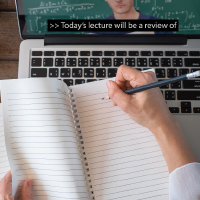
x,y
73,145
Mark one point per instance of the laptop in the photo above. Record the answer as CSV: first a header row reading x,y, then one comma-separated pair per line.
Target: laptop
x,y
78,58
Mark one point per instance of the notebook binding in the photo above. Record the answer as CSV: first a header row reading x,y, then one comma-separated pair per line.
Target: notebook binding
x,y
81,144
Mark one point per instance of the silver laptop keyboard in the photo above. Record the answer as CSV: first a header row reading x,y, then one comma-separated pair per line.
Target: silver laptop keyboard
x,y
78,67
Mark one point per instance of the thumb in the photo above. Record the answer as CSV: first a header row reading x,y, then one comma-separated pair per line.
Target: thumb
x,y
118,96
27,190
6,184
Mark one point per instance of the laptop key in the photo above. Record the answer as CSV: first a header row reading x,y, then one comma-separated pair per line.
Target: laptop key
x,y
183,71
106,62
71,62
153,62
133,53
188,95
164,86
49,53
191,84
94,62
186,110
141,62
97,53
174,109
196,109
83,62
165,62
88,72
101,72
69,82
117,61
160,73
48,62
186,104
36,62
109,53
121,53
85,53
176,85
170,95
145,53
157,53
65,72
171,73
53,72
72,53
192,62
79,81
194,70
112,72
91,80
182,53
60,53
59,62
39,72
194,53
77,72
170,53
177,62
130,62
36,53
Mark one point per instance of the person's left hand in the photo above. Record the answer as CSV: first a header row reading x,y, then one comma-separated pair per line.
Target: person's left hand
x,y
6,188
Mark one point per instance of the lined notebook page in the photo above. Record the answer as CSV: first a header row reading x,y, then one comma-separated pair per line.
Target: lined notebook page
x,y
124,159
41,139
4,164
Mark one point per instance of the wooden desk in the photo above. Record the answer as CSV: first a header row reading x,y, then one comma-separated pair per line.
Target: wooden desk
x,y
9,40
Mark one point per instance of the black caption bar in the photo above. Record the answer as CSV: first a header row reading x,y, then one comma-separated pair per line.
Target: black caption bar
x,y
113,25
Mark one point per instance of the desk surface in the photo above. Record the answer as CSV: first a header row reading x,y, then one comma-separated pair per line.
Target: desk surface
x,y
9,40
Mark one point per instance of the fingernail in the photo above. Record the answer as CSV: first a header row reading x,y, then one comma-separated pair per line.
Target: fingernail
x,y
108,84
29,183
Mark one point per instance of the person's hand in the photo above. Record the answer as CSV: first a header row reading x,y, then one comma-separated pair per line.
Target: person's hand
x,y
147,108
6,188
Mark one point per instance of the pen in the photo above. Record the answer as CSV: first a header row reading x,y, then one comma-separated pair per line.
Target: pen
x,y
161,83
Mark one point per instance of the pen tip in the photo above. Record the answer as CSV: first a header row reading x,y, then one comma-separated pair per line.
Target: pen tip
x,y
102,99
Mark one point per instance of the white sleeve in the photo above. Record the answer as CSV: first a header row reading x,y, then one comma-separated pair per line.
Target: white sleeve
x,y
184,182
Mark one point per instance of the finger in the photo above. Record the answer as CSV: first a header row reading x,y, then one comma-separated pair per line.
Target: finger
x,y
6,184
128,77
27,190
9,197
125,75
118,96
6,197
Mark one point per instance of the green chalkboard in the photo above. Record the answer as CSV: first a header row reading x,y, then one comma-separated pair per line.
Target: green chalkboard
x,y
39,11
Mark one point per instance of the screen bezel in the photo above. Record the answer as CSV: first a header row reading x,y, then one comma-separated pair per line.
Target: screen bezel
x,y
25,35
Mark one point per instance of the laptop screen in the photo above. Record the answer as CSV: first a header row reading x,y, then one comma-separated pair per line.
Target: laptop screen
x,y
34,15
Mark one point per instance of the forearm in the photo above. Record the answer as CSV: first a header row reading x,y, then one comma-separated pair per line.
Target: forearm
x,y
174,146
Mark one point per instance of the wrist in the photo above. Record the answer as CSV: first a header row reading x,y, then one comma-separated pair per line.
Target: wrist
x,y
168,126
173,144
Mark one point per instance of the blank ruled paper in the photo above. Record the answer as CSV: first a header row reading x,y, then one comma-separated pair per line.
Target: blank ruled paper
x,y
4,164
41,139
125,161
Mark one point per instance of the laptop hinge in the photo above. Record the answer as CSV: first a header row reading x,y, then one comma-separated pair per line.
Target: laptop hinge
x,y
115,39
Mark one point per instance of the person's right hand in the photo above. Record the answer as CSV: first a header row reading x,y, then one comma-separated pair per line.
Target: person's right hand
x,y
147,108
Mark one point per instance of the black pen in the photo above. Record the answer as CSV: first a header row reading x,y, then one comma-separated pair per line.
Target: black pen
x,y
161,83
